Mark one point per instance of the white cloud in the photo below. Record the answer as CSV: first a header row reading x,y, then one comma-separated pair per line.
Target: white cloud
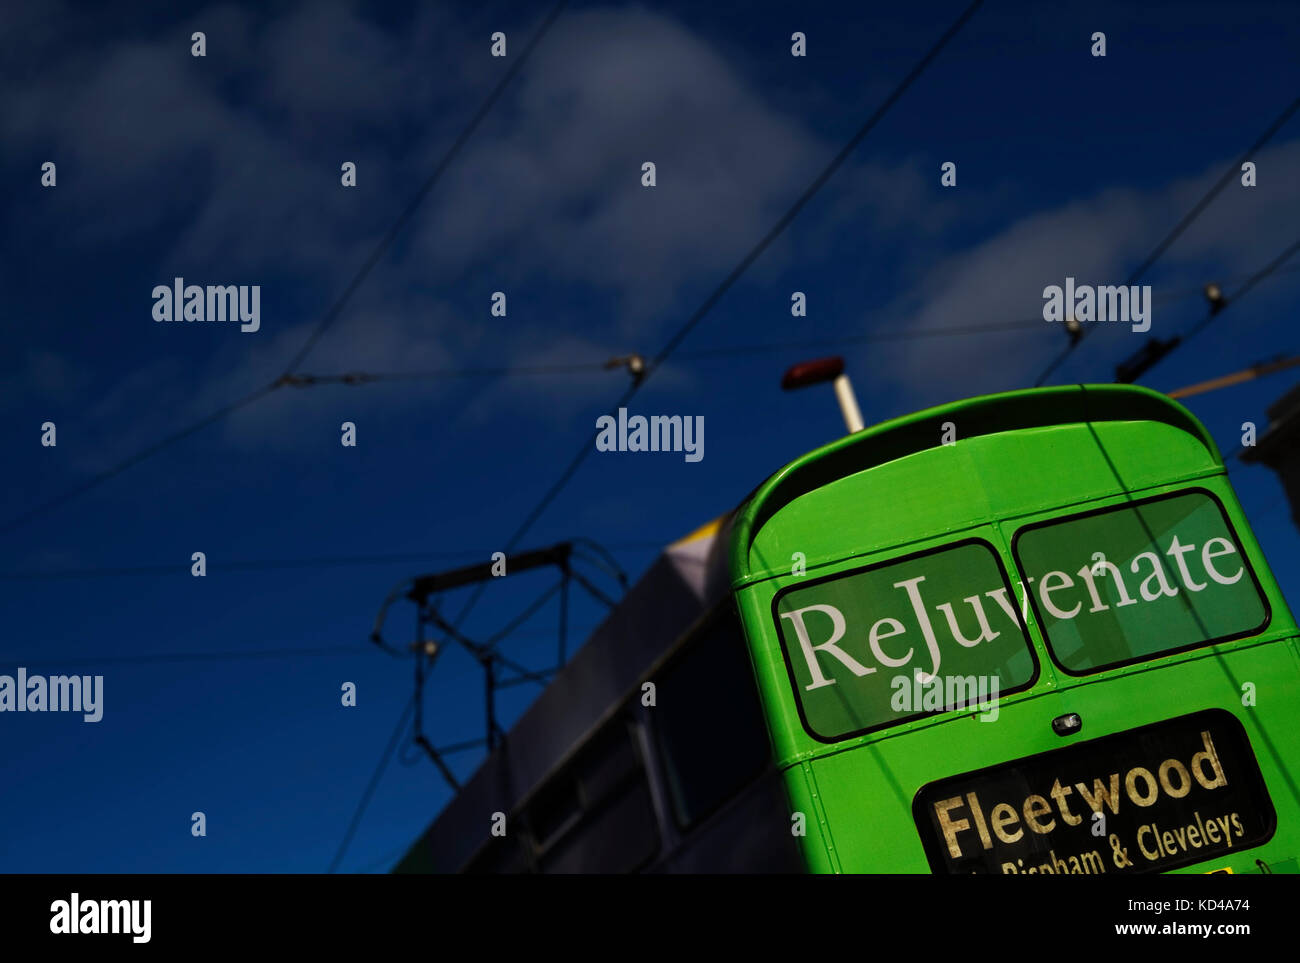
x,y
1100,240
554,190
246,143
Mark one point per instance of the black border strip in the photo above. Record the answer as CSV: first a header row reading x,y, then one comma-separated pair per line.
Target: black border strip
x,y
789,667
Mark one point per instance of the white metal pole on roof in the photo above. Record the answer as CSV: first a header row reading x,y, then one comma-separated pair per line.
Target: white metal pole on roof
x,y
848,404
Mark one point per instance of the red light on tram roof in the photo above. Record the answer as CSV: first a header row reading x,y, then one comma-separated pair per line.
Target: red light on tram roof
x,y
807,373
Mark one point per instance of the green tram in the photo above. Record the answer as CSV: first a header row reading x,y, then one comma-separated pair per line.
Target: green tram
x,y
1025,633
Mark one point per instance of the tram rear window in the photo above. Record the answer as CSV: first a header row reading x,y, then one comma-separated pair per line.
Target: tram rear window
x,y
1137,580
925,633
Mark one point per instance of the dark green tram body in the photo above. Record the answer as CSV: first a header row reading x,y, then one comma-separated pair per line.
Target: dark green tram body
x,y
1127,694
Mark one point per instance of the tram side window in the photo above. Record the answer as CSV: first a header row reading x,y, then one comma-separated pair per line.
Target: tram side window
x,y
619,836
596,815
708,722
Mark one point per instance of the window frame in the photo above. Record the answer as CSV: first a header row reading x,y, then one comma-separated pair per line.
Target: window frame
x,y
1130,503
715,621
541,850
1026,637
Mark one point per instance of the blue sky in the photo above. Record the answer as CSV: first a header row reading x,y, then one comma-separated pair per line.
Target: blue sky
x,y
225,170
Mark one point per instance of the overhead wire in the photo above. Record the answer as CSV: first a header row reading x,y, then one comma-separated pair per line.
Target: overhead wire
x,y
1267,271
693,320
1217,309
737,272
492,99
466,133
361,377
238,655
1233,171
721,351
98,479
96,659
700,354
216,565
335,309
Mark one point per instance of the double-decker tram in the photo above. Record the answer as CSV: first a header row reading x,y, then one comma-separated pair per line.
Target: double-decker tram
x,y
1025,633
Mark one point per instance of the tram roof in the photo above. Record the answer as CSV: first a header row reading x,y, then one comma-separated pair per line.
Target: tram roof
x,y
985,415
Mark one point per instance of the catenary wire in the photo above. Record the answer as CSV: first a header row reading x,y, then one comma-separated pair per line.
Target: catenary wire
x,y
1228,176
754,253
